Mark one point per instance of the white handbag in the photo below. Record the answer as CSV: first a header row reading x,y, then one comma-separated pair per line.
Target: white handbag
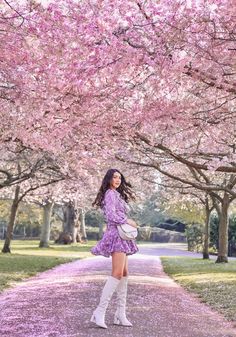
x,y
127,232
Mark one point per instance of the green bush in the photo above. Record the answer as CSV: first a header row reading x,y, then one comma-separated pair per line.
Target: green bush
x,y
93,218
194,234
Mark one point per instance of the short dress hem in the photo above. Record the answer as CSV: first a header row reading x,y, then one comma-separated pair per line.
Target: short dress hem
x,y
115,209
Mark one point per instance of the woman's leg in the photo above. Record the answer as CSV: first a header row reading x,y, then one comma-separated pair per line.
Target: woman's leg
x,y
118,263
125,270
120,315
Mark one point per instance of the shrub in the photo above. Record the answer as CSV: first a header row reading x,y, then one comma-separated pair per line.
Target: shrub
x,y
194,234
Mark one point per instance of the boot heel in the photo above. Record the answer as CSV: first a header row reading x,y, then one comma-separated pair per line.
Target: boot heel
x,y
122,321
93,319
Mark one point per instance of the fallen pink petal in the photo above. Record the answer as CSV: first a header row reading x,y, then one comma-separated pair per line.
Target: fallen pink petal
x,y
59,303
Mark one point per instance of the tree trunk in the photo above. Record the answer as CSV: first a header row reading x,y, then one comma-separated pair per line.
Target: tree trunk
x,y
45,234
223,230
74,234
76,237
100,234
11,223
68,212
69,223
207,231
82,221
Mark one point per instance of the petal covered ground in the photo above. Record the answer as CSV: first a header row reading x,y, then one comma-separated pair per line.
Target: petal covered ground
x,y
60,301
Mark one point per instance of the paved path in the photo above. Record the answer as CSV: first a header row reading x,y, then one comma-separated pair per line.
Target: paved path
x,y
171,249
60,301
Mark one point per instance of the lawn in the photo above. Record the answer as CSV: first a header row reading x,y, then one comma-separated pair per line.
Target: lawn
x,y
27,259
214,284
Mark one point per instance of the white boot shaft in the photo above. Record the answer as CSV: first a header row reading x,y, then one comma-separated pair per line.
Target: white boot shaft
x,y
98,316
120,315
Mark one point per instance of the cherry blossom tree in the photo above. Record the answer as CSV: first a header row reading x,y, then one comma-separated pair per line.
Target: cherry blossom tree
x,y
176,194
156,81
220,187
88,80
25,171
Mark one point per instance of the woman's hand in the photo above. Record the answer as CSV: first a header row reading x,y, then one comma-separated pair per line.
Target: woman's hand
x,y
131,222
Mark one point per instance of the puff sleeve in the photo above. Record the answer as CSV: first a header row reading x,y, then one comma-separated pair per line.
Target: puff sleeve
x,y
113,210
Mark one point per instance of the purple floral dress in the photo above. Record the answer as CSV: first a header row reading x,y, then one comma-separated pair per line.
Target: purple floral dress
x,y
115,209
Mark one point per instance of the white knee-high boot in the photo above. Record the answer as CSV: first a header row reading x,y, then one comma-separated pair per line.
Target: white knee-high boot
x,y
120,315
98,316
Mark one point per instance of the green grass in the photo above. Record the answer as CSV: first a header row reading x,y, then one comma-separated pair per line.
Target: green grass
x,y
27,259
215,284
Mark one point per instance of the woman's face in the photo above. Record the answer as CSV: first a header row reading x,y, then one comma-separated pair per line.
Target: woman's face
x,y
116,180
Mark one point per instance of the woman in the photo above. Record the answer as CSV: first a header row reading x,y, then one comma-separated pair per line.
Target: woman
x,y
113,196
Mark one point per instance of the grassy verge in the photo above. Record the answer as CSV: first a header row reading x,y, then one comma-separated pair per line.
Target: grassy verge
x,y
215,284
27,259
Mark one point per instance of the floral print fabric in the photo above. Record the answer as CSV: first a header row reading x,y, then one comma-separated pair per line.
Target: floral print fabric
x,y
115,211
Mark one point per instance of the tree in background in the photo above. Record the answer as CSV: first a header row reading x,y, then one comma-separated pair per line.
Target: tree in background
x,y
155,73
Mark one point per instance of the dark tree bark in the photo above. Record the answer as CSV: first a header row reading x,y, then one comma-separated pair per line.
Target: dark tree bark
x,y
100,234
223,229
70,224
206,241
11,223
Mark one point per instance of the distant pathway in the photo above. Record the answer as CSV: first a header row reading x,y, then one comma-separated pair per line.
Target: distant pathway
x,y
171,249
59,303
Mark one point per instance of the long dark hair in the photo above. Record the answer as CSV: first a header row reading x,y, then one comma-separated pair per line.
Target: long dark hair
x,y
124,189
